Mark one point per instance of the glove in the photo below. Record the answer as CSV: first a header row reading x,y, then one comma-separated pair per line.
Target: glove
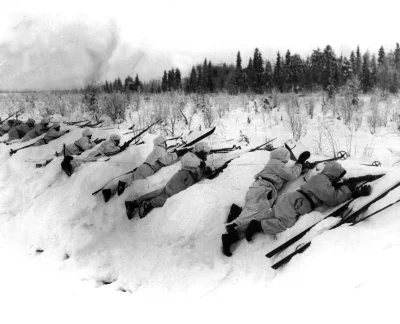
x,y
351,185
202,165
269,147
182,152
303,157
364,190
124,146
207,171
67,131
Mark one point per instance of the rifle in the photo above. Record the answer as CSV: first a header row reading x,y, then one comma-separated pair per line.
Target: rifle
x,y
342,155
143,131
11,116
76,122
218,170
90,125
21,148
226,150
365,178
136,130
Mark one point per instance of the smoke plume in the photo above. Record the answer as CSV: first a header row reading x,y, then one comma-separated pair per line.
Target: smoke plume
x,y
43,55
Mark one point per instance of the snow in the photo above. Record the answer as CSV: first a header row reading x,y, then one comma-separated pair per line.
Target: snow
x,y
169,266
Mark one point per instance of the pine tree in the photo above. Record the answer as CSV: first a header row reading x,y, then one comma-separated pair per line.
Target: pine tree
x,y
200,80
397,57
258,67
250,75
178,79
296,70
137,84
171,80
278,73
329,68
381,56
353,63
192,85
365,74
210,82
164,82
358,61
374,70
394,84
317,65
346,72
268,76
286,71
239,82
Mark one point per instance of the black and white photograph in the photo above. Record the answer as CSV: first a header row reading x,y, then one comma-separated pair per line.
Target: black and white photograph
x,y
197,161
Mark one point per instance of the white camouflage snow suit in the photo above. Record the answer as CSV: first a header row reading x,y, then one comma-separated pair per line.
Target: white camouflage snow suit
x,y
317,191
263,192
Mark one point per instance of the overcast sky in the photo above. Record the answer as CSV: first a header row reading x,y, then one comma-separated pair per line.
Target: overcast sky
x,y
73,41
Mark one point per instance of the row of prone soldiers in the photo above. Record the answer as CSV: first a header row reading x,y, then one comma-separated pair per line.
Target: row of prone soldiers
x,y
263,210
193,168
26,131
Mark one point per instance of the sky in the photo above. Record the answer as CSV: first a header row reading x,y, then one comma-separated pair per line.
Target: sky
x,y
70,42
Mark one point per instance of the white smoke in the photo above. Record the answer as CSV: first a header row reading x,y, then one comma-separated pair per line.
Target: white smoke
x,y
40,55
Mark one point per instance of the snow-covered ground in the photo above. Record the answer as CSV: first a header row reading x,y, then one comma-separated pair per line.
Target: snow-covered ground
x,y
67,256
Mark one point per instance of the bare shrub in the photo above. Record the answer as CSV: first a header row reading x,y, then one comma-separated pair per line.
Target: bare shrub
x,y
297,123
369,148
115,105
310,106
357,121
349,102
374,119
208,117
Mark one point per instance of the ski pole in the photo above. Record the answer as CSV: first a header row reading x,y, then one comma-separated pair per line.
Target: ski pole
x,y
375,164
342,155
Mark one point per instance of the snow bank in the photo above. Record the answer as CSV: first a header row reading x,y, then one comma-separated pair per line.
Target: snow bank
x,y
175,252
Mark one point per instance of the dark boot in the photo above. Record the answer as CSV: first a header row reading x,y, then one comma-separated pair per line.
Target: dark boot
x,y
121,187
231,228
234,213
66,165
254,227
145,208
131,207
106,194
227,241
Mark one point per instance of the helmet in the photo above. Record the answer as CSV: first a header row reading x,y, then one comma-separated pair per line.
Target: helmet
x,y
190,161
55,125
30,121
281,154
45,121
115,137
334,170
159,140
202,147
87,132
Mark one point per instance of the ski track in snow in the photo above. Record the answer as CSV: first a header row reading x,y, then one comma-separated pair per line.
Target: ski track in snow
x,y
176,249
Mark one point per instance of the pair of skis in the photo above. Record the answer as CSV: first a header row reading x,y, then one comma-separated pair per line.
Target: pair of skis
x,y
349,217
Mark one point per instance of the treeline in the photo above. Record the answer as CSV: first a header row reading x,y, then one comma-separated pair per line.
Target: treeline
x,y
322,70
